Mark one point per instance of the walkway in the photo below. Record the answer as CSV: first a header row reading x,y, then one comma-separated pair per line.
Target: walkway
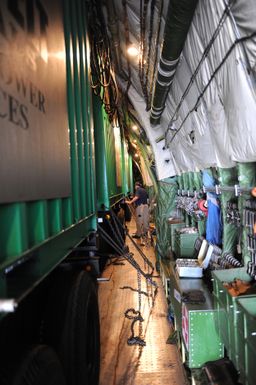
x,y
157,363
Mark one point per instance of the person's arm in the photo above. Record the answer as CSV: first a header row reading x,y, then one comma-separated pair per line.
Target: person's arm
x,y
134,199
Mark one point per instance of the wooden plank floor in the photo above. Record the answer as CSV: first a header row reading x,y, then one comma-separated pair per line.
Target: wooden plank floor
x,y
157,363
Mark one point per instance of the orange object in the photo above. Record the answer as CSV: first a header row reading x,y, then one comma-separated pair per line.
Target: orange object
x,y
253,192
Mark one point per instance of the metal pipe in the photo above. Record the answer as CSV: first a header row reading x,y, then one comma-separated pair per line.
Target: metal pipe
x,y
179,16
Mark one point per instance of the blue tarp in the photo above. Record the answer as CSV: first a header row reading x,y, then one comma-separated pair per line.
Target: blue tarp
x,y
214,220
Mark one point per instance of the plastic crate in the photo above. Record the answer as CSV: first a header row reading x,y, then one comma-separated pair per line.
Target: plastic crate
x,y
184,244
246,325
226,319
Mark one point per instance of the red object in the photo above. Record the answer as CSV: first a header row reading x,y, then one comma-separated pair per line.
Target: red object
x,y
202,205
253,192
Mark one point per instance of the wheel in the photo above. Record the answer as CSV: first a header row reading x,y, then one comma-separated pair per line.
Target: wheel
x,y
71,326
38,365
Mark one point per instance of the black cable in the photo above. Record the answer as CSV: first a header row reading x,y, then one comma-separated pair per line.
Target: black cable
x,y
150,36
237,41
127,41
102,77
156,52
204,55
143,17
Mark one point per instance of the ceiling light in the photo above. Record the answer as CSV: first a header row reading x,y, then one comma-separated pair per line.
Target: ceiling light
x,y
132,50
134,127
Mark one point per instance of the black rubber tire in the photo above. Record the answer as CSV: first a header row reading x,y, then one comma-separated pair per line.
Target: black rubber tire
x,y
38,365
71,326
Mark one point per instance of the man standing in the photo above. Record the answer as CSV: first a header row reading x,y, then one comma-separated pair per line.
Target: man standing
x,y
141,210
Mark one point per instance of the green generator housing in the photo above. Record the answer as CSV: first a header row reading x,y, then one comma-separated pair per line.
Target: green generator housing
x,y
184,244
195,322
227,311
246,327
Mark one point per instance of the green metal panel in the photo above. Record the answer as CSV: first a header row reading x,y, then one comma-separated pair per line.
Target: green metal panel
x,y
113,189
246,325
173,227
100,155
55,216
78,70
41,261
37,213
184,244
226,305
131,185
246,178
31,229
71,113
185,177
124,164
13,234
204,342
196,322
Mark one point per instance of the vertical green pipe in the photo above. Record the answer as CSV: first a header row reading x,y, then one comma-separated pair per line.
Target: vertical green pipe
x,y
84,105
198,186
246,178
92,159
123,168
198,181
100,155
131,185
13,235
186,187
55,216
38,229
67,212
89,117
71,115
181,187
192,189
77,71
228,177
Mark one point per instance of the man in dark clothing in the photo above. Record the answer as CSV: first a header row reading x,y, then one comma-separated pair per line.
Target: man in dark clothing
x,y
141,210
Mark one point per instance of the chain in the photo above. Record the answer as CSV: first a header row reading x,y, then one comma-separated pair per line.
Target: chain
x,y
145,258
136,317
136,314
136,290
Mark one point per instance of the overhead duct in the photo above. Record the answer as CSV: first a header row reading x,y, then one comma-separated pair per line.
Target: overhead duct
x,y
179,16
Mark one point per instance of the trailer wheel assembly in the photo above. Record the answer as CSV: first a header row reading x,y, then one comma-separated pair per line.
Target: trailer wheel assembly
x,y
71,326
38,365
